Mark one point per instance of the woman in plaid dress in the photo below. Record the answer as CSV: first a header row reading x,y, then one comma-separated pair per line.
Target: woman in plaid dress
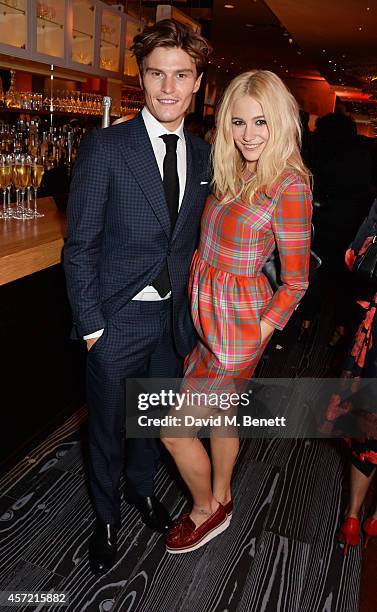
x,y
261,200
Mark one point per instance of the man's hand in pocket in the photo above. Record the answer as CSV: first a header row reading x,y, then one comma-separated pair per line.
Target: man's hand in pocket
x,y
91,342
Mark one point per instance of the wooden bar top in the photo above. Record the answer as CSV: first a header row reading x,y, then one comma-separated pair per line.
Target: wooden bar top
x,y
31,245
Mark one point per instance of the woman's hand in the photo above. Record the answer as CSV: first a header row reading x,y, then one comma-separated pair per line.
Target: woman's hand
x,y
266,331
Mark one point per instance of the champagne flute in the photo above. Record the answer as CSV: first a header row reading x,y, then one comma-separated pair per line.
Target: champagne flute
x,y
5,182
9,160
21,180
29,212
24,171
37,170
3,214
17,213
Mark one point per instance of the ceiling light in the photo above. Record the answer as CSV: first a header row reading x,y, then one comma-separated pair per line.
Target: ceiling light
x,y
229,6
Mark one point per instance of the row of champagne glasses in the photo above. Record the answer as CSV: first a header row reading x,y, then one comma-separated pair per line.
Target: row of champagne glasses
x,y
74,102
23,173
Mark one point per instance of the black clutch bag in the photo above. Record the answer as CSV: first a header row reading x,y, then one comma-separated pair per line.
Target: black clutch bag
x,y
271,268
366,265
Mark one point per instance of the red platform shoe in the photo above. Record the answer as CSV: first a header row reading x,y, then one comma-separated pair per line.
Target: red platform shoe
x,y
229,508
349,533
185,536
370,528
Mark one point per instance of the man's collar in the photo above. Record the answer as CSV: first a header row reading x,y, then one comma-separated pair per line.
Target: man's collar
x,y
155,129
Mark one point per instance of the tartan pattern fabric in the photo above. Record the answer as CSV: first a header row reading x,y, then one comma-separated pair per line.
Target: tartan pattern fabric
x,y
229,293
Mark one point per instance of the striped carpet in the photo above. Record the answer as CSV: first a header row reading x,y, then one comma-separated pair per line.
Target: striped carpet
x,y
278,555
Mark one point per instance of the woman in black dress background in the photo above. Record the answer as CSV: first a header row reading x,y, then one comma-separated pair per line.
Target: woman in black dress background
x,y
342,169
361,362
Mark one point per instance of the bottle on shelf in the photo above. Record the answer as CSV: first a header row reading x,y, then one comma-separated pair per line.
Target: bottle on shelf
x,y
57,146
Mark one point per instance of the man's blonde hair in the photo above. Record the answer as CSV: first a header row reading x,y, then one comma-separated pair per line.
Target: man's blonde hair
x,y
282,151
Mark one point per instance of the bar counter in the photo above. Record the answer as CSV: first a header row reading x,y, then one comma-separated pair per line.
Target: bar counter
x,y
31,245
43,371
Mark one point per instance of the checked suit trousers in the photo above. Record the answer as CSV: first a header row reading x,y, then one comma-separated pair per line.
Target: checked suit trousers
x,y
137,343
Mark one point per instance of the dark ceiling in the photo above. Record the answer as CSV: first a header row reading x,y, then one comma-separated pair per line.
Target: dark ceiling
x,y
338,35
331,39
251,36
336,38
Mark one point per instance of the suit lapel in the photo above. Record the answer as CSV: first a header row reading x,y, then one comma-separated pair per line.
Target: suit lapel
x,y
194,170
139,156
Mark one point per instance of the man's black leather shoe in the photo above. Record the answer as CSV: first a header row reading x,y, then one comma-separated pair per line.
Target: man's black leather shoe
x,y
153,513
102,547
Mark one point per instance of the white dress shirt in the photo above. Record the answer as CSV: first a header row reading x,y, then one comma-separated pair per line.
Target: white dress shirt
x,y
155,129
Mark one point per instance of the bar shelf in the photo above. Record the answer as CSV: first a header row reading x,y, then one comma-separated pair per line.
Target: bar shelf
x,y
108,44
13,9
50,22
78,35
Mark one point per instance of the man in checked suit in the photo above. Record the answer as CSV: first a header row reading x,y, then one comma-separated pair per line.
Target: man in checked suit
x,y
136,199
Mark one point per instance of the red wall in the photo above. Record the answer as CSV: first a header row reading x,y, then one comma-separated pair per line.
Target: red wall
x,y
314,96
23,81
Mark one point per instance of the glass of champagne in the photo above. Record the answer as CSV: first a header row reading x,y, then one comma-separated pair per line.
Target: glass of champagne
x,y
37,170
5,182
29,212
21,181
17,213
9,162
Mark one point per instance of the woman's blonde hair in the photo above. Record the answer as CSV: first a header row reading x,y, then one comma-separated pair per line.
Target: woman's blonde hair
x,y
282,151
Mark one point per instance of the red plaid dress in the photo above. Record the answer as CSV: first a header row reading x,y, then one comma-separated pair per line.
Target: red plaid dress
x,y
229,293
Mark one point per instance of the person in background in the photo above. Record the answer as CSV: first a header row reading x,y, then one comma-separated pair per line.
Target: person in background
x,y
361,363
342,191
261,200
209,129
136,198
194,124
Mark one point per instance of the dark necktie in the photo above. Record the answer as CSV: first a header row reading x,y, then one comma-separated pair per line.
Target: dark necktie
x,y
171,188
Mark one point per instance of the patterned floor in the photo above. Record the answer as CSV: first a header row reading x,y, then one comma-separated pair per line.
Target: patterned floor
x,y
278,555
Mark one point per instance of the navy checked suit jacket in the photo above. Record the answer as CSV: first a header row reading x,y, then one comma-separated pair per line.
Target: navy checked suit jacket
x,y
119,234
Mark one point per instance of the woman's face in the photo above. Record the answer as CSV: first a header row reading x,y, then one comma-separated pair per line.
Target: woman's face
x,y
249,128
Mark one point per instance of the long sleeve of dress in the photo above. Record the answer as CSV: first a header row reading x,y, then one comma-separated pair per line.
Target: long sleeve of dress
x,y
364,236
291,225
